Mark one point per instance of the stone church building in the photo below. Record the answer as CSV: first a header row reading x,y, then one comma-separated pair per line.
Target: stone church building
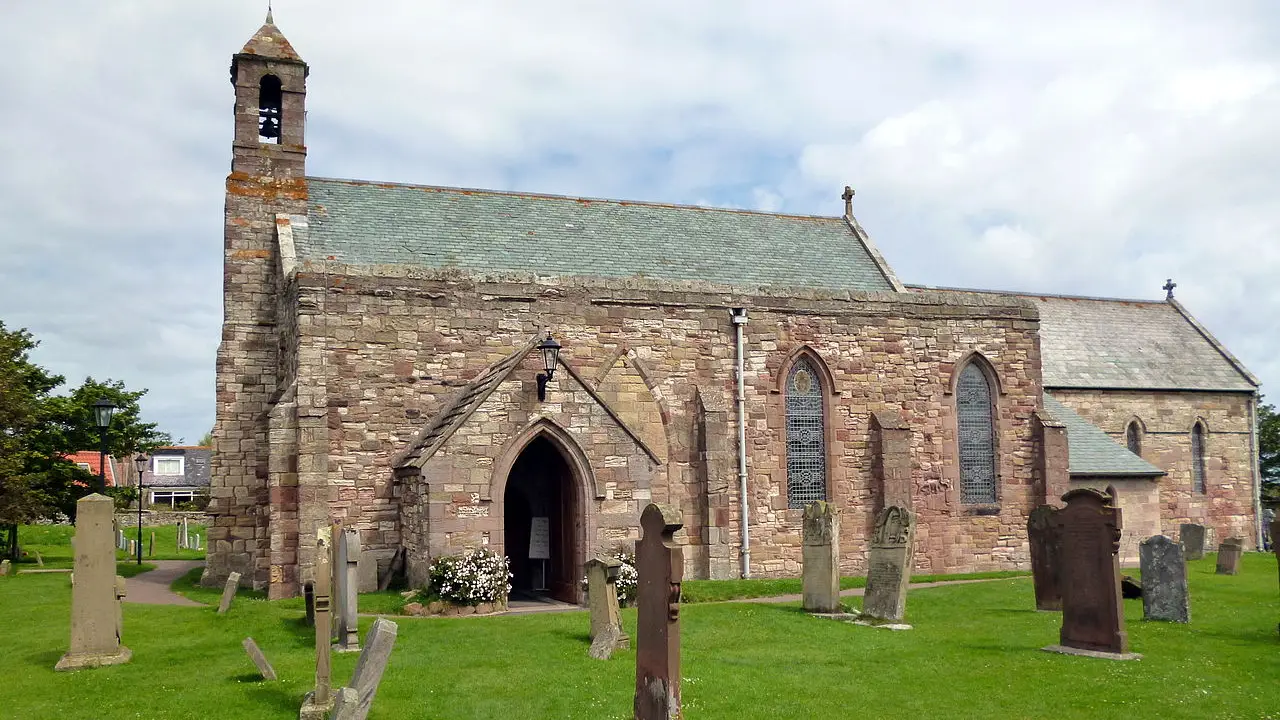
x,y
380,364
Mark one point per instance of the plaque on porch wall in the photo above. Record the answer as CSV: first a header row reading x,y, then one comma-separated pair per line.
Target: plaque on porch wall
x,y
540,538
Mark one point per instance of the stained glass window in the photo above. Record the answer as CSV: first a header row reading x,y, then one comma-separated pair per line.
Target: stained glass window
x,y
1197,458
977,437
1133,438
806,437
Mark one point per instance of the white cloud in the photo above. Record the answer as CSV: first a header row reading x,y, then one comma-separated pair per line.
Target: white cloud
x,y
1088,147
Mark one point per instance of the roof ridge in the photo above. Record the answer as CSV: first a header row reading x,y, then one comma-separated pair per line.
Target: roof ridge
x,y
1023,293
578,198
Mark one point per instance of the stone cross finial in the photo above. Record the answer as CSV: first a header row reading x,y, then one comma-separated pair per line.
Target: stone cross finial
x,y
660,566
847,196
1169,285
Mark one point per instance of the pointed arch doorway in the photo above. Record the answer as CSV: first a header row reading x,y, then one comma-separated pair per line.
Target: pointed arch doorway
x,y
543,528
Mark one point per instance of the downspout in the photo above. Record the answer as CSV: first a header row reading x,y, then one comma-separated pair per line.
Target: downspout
x,y
1256,471
739,318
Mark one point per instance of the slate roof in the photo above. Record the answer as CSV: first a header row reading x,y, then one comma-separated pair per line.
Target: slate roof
x,y
366,224
1129,344
461,405
195,468
1091,451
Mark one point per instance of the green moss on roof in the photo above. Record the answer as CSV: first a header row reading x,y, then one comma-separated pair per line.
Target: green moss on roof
x,y
361,223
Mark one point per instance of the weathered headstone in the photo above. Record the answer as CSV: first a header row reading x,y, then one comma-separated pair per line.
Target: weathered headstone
x,y
345,701
820,583
889,564
309,602
315,706
346,584
1229,556
151,545
186,535
1092,613
5,567
602,597
259,660
95,600
229,592
660,570
1164,580
1045,550
39,559
368,673
1191,536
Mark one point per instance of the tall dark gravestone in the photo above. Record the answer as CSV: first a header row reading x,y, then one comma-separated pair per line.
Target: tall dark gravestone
x,y
1045,551
1191,536
660,567
1092,612
1164,580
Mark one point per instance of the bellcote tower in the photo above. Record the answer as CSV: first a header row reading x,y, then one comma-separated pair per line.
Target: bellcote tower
x,y
266,185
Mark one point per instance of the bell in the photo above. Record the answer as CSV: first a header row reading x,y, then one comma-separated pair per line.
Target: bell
x,y
269,126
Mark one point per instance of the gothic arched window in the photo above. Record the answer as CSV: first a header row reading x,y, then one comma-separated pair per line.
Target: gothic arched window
x,y
270,100
1197,457
1133,438
806,436
975,419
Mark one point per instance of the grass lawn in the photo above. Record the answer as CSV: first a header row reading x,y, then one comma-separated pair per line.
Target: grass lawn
x,y
697,591
974,652
54,544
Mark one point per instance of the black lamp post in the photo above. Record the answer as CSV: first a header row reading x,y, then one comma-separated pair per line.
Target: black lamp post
x,y
102,412
550,356
140,462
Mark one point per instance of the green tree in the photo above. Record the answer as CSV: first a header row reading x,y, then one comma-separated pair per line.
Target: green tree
x,y
1269,450
38,429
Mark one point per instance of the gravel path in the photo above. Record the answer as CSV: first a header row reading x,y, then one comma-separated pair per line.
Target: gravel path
x,y
152,587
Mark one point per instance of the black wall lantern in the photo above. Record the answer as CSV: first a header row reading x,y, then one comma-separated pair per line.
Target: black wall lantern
x,y
550,356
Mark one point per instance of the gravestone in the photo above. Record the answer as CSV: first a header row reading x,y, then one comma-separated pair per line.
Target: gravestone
x,y
39,560
345,701
151,545
1229,556
602,597
660,570
315,706
1164,580
229,592
95,600
820,584
259,660
346,585
889,564
1092,613
1191,536
368,673
309,602
5,567
1046,549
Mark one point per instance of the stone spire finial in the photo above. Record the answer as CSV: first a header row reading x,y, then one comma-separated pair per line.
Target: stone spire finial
x,y
1169,285
848,201
270,20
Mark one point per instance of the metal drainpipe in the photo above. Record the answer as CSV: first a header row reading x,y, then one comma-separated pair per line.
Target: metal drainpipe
x,y
739,318
1256,471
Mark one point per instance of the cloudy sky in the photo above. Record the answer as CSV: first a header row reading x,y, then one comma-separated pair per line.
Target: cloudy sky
x,y
1083,148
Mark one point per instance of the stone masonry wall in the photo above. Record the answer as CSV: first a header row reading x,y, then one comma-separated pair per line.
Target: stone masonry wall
x,y
1226,506
392,349
265,179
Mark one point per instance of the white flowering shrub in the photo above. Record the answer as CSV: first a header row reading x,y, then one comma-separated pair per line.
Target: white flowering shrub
x,y
627,577
474,577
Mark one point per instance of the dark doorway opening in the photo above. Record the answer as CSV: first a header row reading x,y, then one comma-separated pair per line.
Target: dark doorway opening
x,y
541,518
